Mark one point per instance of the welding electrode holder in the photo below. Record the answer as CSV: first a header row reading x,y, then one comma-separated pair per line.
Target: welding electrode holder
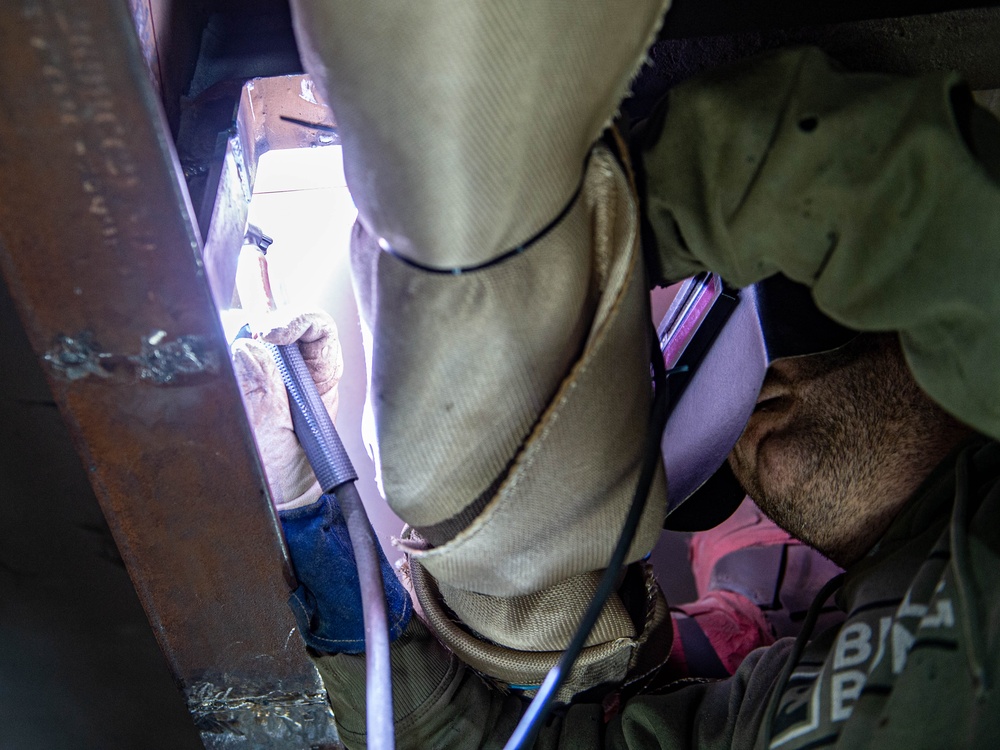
x,y
332,466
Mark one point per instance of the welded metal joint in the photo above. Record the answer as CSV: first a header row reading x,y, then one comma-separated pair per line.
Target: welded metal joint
x,y
168,362
227,718
159,361
75,357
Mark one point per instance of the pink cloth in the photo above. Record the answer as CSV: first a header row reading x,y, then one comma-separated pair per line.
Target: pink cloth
x,y
751,577
733,624
747,527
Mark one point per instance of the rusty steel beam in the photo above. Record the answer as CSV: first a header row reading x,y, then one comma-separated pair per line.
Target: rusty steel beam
x,y
169,34
103,259
282,112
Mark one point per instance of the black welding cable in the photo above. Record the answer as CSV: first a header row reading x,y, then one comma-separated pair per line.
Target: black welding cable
x,y
336,475
527,729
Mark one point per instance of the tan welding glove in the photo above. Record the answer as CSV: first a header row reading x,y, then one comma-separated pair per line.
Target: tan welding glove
x,y
289,475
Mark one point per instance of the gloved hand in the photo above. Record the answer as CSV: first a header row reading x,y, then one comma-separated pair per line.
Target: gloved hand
x,y
327,603
289,475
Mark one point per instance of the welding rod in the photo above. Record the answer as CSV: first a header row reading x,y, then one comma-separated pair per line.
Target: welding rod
x,y
336,475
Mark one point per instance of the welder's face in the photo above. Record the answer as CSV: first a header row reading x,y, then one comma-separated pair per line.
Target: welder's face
x,y
826,436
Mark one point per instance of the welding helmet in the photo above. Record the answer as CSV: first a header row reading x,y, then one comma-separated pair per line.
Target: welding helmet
x,y
717,343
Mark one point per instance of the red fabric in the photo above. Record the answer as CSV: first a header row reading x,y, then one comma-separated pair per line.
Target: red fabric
x,y
747,527
731,622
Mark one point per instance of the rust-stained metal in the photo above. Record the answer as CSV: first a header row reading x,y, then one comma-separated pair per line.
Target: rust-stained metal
x,y
279,112
225,211
169,33
282,112
142,15
97,236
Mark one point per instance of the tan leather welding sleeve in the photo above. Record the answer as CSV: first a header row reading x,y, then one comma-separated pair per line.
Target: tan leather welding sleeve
x,y
862,186
511,397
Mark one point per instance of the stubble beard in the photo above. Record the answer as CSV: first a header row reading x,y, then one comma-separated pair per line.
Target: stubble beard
x,y
839,460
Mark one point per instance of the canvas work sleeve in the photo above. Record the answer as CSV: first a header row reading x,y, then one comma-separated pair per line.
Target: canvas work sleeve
x,y
497,265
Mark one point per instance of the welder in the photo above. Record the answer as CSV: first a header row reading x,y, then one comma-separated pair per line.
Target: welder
x,y
499,265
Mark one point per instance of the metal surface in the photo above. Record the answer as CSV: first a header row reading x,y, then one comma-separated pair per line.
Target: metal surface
x,y
169,34
96,238
223,217
963,40
280,112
